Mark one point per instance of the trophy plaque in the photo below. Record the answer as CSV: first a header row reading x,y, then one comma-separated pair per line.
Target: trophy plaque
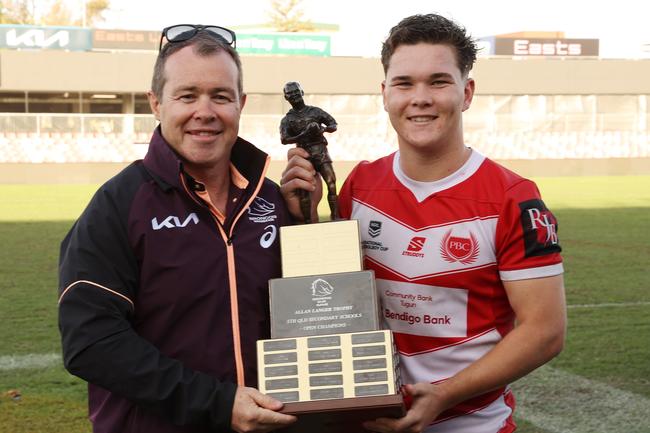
x,y
328,360
335,366
323,248
323,304
332,383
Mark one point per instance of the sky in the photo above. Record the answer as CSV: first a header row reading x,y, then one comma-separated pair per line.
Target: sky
x,y
623,26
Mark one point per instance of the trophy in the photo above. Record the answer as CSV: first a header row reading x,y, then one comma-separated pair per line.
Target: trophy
x,y
304,125
328,359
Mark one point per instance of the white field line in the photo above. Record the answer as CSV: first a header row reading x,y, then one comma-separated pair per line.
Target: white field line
x,y
36,360
561,402
609,305
553,400
33,360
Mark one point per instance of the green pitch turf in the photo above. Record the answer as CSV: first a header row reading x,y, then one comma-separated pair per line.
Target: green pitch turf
x,y
604,229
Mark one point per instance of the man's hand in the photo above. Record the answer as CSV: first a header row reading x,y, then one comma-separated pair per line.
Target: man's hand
x,y
300,175
254,412
428,403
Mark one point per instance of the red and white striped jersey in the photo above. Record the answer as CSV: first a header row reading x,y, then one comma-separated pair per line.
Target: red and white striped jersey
x,y
440,251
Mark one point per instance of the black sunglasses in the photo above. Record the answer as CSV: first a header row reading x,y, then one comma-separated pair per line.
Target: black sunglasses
x,y
183,32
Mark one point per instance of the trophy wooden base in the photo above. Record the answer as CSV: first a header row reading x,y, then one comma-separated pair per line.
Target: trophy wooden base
x,y
344,415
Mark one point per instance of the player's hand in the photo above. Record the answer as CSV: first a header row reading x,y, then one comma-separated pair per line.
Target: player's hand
x,y
427,405
300,175
314,128
254,412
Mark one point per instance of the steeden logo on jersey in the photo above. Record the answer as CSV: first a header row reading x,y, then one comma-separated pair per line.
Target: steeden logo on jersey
x,y
458,249
415,246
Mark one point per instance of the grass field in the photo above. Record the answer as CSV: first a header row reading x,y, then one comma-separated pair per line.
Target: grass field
x,y
601,382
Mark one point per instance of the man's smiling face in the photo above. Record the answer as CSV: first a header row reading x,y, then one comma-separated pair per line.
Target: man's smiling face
x,y
425,94
200,107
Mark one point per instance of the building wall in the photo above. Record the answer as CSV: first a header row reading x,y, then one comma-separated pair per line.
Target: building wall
x,y
130,72
126,72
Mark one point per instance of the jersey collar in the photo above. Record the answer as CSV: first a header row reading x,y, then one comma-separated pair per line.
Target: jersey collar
x,y
422,190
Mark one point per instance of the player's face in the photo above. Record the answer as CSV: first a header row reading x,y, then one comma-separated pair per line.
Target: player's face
x,y
425,94
200,107
293,95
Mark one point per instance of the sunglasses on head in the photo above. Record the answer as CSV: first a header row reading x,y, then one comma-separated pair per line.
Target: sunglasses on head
x,y
183,32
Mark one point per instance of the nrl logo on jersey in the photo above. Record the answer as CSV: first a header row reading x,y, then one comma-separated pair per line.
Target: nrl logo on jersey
x,y
260,211
374,228
457,249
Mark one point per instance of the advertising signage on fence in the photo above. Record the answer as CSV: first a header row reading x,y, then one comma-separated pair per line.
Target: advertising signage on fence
x,y
264,43
80,39
43,37
126,39
544,47
296,44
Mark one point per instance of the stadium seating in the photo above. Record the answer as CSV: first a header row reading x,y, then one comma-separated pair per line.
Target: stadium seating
x,y
357,144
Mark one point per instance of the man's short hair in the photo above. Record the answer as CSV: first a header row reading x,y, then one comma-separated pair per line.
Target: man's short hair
x,y
431,29
293,85
204,45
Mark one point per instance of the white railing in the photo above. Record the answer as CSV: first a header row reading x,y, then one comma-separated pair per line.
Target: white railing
x,y
44,124
122,138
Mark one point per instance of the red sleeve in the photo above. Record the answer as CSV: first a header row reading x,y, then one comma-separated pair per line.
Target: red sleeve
x,y
527,244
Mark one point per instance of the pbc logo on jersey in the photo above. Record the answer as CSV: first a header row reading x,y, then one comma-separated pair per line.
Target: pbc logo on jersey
x,y
539,227
457,249
374,228
415,246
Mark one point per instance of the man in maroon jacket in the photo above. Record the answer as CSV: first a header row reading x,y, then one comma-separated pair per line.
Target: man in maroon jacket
x,y
163,279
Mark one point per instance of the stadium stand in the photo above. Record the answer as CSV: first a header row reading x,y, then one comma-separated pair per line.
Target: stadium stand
x,y
524,109
358,138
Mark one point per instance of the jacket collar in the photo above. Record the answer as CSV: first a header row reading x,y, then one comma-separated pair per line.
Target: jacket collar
x,y
165,165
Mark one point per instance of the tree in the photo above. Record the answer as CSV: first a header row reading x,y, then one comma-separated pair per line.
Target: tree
x,y
94,11
17,11
58,15
286,16
51,13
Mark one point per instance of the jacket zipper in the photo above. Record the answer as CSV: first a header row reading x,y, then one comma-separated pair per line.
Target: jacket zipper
x,y
232,277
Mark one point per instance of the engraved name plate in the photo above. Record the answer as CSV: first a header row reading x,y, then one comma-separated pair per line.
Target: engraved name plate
x,y
329,367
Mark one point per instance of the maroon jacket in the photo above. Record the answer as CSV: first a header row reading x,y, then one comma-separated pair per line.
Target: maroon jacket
x,y
161,305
